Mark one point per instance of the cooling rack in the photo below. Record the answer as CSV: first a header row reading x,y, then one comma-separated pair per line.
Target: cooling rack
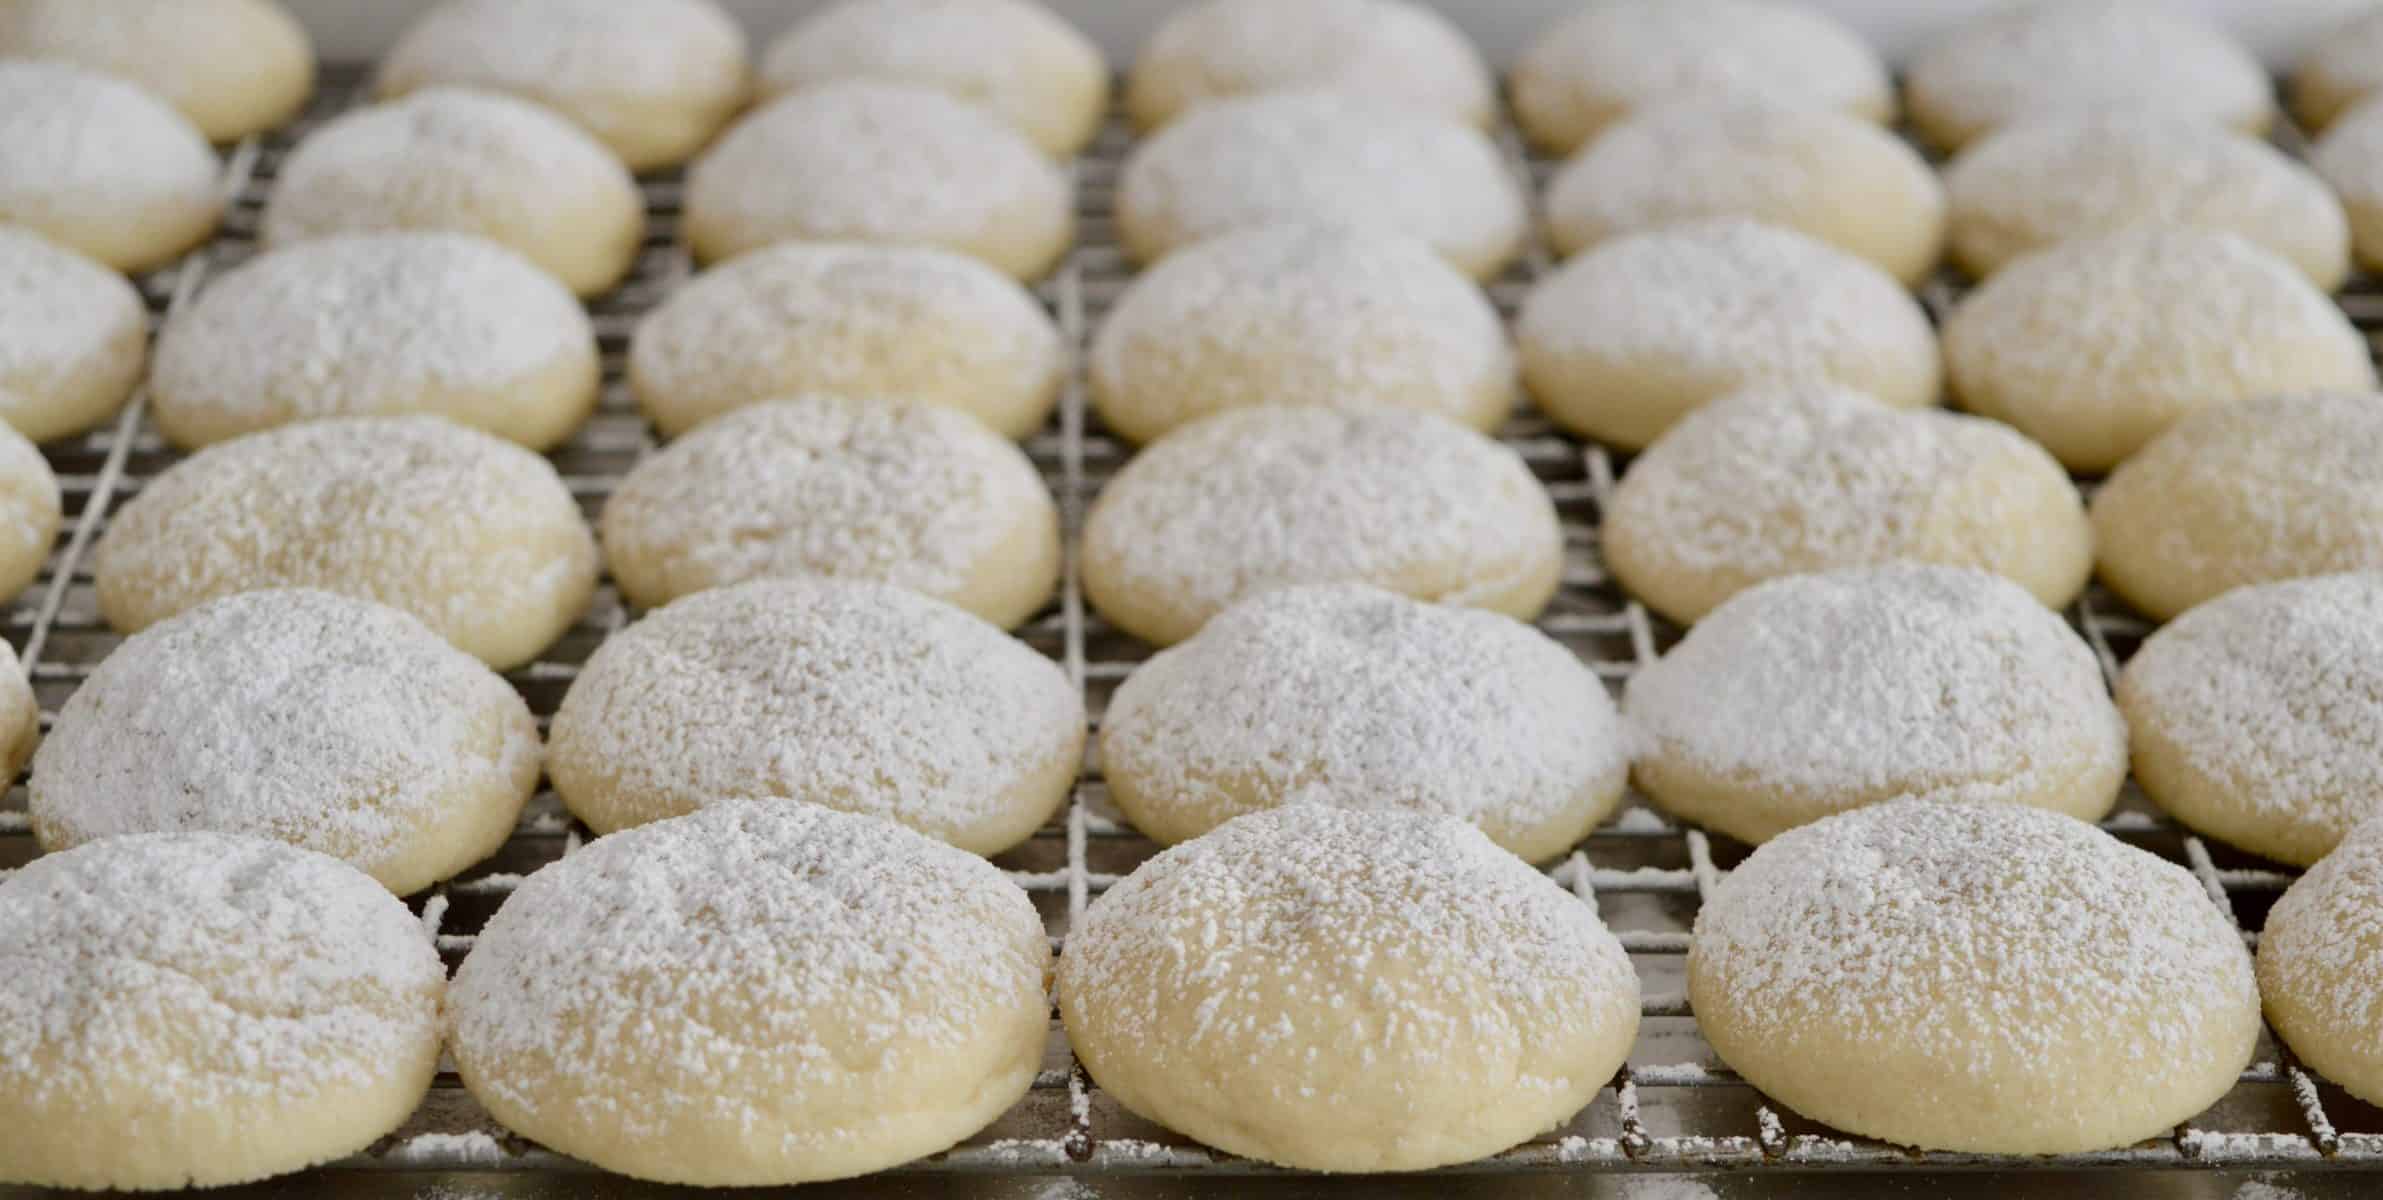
x,y
1672,1109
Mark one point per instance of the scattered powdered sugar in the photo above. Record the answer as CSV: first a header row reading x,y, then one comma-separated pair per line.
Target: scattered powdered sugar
x,y
913,494
203,969
1984,938
570,48
2275,693
2086,55
1299,313
1328,158
334,724
475,1148
1942,682
1664,1189
2261,1190
861,696
60,313
1377,50
364,324
723,968
1260,497
1632,53
1353,696
77,146
873,160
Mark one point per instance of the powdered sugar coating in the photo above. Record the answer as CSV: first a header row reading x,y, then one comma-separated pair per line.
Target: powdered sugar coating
x,y
871,161
1382,51
853,487
73,335
2317,965
1257,498
1299,314
2056,56
1625,339
1612,56
197,989
338,725
757,993
1347,991
101,166
1814,694
30,510
1973,977
1776,481
234,67
2258,717
475,536
2094,346
860,696
1321,157
378,324
1015,57
909,321
2078,174
1353,696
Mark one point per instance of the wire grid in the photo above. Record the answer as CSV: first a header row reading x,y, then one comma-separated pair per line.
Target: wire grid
x,y
1673,1107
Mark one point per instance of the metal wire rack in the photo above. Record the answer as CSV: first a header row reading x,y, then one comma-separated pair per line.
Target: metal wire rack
x,y
1672,1108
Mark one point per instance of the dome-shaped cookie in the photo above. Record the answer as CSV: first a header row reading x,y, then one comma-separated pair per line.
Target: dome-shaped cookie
x,y
1782,480
1299,314
1015,57
2343,66
2347,159
1257,498
234,67
30,511
755,994
1816,694
73,337
2094,346
102,167
1327,158
2320,963
1347,991
20,714
863,160
1624,340
1971,977
458,160
909,321
475,536
1390,52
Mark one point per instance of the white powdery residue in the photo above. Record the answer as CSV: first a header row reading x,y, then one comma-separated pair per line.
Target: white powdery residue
x,y
1780,53
2259,1189
863,695
1381,50
448,1150
2087,55
75,144
172,50
985,49
575,48
1665,1189
59,312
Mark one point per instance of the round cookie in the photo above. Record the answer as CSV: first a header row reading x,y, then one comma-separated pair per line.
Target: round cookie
x,y
20,714
2094,346
378,324
1816,694
1786,479
1973,977
1347,991
1837,178
195,1009
2318,965
73,337
851,487
101,167
1611,57
1299,314
909,321
2341,68
1352,696
1385,52
2073,56
1624,340
862,160
2347,158
1015,57
341,726
2255,716
755,994
651,79
1326,158
1256,498
30,512
460,161
234,67
2272,488
475,536
863,697
2064,176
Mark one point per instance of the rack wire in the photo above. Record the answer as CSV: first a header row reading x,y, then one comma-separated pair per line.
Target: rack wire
x,y
1672,1108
